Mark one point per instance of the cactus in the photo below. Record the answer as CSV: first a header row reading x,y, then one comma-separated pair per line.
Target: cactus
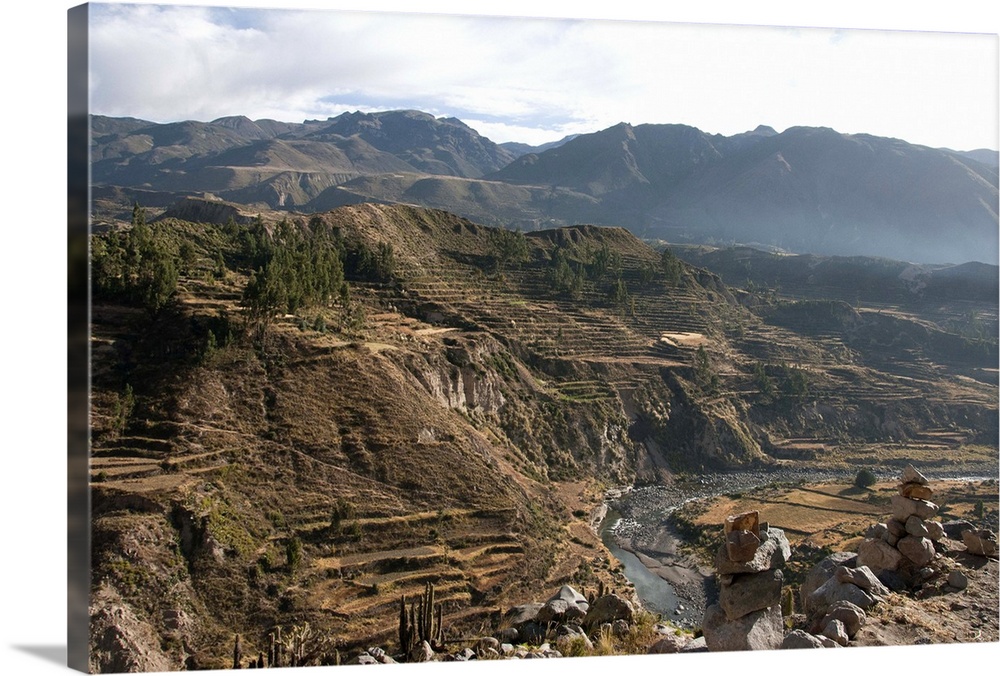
x,y
428,619
406,638
423,622
237,653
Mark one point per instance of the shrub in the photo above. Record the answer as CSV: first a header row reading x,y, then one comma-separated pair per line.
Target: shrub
x,y
293,552
865,478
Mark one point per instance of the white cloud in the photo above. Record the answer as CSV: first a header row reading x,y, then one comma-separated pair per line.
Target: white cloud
x,y
541,76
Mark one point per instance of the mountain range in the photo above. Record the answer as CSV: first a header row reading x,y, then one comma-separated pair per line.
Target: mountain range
x,y
804,190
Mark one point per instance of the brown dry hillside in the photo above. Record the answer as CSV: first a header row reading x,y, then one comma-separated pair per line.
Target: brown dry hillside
x,y
450,416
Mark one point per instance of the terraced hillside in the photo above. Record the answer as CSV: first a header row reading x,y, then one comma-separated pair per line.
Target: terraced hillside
x,y
276,449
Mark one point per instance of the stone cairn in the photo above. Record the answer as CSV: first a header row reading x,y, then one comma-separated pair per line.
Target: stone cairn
x,y
902,550
748,564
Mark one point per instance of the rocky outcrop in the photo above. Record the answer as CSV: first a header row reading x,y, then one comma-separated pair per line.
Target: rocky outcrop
x,y
823,571
567,616
120,641
845,586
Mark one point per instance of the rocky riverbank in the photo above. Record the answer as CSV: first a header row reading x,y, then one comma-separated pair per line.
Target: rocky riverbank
x,y
645,530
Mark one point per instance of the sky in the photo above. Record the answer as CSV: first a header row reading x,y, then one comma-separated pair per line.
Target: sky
x,y
536,80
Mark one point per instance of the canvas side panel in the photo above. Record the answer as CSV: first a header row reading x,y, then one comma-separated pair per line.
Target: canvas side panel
x,y
78,343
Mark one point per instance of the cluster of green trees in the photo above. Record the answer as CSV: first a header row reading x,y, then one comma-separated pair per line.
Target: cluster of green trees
x,y
507,247
705,376
295,267
671,267
291,269
780,383
564,277
137,266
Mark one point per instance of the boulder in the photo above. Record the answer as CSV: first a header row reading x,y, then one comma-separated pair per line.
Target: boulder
x,y
561,610
835,631
760,630
980,542
508,634
958,580
916,527
903,508
553,611
828,642
750,592
846,612
519,615
568,635
381,656
935,531
607,609
832,591
877,531
797,639
773,552
954,529
743,536
912,476
863,577
422,653
572,596
823,571
747,521
697,645
897,528
668,645
878,555
919,550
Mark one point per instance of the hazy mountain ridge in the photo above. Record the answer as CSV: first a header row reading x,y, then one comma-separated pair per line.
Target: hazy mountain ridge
x,y
851,279
524,148
829,193
805,189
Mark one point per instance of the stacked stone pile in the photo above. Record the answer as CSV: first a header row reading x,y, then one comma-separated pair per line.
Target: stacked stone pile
x,y
901,550
748,566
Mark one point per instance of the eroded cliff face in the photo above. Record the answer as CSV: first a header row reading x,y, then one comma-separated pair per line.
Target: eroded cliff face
x,y
557,436
462,376
687,430
622,436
